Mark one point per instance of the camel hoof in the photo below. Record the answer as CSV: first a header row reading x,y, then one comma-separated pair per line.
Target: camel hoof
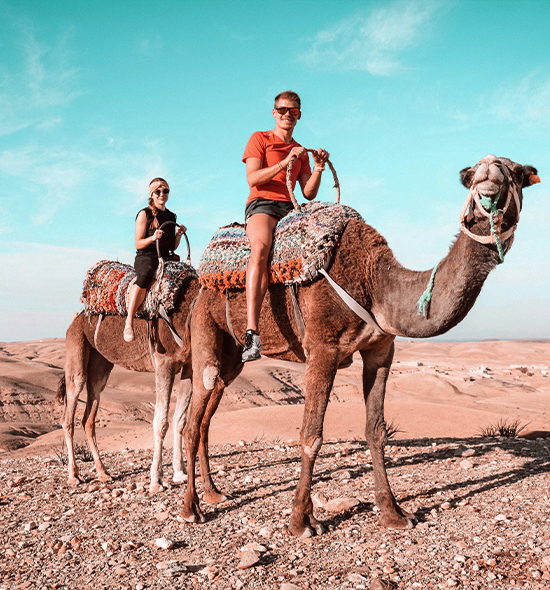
x,y
75,480
192,518
179,477
155,488
104,477
397,522
214,497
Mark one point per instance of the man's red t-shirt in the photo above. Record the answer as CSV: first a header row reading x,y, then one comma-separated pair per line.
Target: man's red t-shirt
x,y
270,149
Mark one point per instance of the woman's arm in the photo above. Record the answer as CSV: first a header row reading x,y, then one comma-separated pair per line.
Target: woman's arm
x,y
179,232
142,240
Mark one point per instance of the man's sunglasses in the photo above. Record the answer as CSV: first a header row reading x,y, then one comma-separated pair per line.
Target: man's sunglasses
x,y
164,191
294,111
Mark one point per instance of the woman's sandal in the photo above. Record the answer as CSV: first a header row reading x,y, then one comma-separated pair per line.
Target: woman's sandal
x,y
128,334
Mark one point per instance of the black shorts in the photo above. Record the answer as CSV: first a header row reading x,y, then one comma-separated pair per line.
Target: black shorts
x,y
277,209
145,266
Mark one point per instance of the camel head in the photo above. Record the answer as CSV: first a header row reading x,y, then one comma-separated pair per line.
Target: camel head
x,y
493,176
495,198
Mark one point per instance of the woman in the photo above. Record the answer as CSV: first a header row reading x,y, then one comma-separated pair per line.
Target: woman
x,y
267,155
148,223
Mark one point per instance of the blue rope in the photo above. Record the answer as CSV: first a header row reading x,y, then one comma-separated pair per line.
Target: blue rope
x,y
426,297
490,205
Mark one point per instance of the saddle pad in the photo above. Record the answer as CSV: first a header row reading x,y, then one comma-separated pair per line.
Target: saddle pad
x,y
106,287
303,243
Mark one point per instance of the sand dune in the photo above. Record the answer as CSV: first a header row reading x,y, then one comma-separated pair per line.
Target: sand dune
x,y
435,389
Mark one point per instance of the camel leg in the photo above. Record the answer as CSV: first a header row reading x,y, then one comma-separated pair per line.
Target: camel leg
x,y
205,379
78,352
211,493
319,377
164,380
178,424
99,369
375,375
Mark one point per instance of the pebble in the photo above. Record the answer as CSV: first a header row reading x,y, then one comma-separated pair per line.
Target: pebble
x,y
249,559
30,526
340,504
378,584
253,546
468,453
265,532
289,586
164,543
466,464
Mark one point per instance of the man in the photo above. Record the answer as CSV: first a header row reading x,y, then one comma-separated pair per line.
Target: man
x,y
267,155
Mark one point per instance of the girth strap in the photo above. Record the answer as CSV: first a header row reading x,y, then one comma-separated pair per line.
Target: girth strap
x,y
164,316
99,319
352,304
300,325
228,319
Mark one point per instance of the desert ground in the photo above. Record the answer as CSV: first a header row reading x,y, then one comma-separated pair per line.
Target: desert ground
x,y
481,501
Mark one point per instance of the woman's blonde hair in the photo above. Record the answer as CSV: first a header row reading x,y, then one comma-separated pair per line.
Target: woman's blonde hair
x,y
155,223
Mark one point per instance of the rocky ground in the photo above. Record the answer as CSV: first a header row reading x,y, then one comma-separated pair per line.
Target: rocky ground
x,y
481,504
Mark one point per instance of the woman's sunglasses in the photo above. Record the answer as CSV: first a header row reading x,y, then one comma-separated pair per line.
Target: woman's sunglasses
x,y
294,111
164,191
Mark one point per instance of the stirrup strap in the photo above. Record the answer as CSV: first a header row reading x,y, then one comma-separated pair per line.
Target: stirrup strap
x,y
352,304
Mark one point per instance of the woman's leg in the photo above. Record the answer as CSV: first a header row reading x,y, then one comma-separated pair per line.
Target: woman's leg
x,y
259,229
137,295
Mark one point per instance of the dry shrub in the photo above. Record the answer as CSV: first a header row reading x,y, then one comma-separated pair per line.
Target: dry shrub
x,y
503,428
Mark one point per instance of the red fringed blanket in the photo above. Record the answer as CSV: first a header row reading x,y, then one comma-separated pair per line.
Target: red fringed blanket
x,y
303,243
107,284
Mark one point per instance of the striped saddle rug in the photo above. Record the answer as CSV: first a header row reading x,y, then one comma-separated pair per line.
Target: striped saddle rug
x,y
303,243
107,284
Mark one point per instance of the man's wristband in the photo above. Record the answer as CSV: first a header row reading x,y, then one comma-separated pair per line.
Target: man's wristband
x,y
321,169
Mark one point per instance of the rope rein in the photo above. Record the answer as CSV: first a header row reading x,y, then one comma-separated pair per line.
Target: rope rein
x,y
289,179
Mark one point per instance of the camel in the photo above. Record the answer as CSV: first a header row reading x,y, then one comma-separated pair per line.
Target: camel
x,y
90,357
365,267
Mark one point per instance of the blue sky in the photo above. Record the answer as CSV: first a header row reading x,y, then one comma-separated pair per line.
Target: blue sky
x,y
98,97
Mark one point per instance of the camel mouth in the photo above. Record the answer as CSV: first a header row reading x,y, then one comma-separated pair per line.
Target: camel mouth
x,y
488,189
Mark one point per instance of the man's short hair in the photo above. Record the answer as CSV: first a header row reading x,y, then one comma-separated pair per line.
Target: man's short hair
x,y
289,95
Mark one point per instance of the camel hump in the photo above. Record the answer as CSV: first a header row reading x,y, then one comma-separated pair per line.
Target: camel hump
x,y
107,285
304,242
61,391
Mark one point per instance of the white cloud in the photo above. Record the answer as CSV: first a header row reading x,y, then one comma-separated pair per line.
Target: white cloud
x,y
373,42
38,80
524,101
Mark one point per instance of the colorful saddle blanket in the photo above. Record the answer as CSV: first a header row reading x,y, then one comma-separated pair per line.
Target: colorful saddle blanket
x,y
107,284
303,243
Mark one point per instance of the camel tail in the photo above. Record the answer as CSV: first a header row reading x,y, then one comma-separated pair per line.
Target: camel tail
x,y
61,396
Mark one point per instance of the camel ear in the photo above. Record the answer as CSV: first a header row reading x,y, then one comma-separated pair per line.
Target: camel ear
x,y
466,176
530,176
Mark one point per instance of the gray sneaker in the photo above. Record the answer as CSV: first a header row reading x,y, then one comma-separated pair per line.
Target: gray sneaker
x,y
252,346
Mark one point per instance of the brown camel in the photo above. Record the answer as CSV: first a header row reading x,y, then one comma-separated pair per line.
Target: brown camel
x,y
90,357
365,267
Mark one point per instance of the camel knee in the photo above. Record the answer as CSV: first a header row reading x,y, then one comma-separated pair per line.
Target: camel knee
x,y
209,377
313,447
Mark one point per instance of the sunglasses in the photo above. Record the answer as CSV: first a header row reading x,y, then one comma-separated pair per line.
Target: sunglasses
x,y
294,111
164,191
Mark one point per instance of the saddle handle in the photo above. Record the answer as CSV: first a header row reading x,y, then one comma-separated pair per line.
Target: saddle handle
x,y
184,235
289,180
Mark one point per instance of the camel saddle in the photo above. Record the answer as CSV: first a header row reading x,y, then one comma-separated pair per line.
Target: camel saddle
x,y
303,243
107,285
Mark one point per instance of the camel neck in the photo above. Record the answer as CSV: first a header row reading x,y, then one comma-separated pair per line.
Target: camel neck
x,y
456,286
